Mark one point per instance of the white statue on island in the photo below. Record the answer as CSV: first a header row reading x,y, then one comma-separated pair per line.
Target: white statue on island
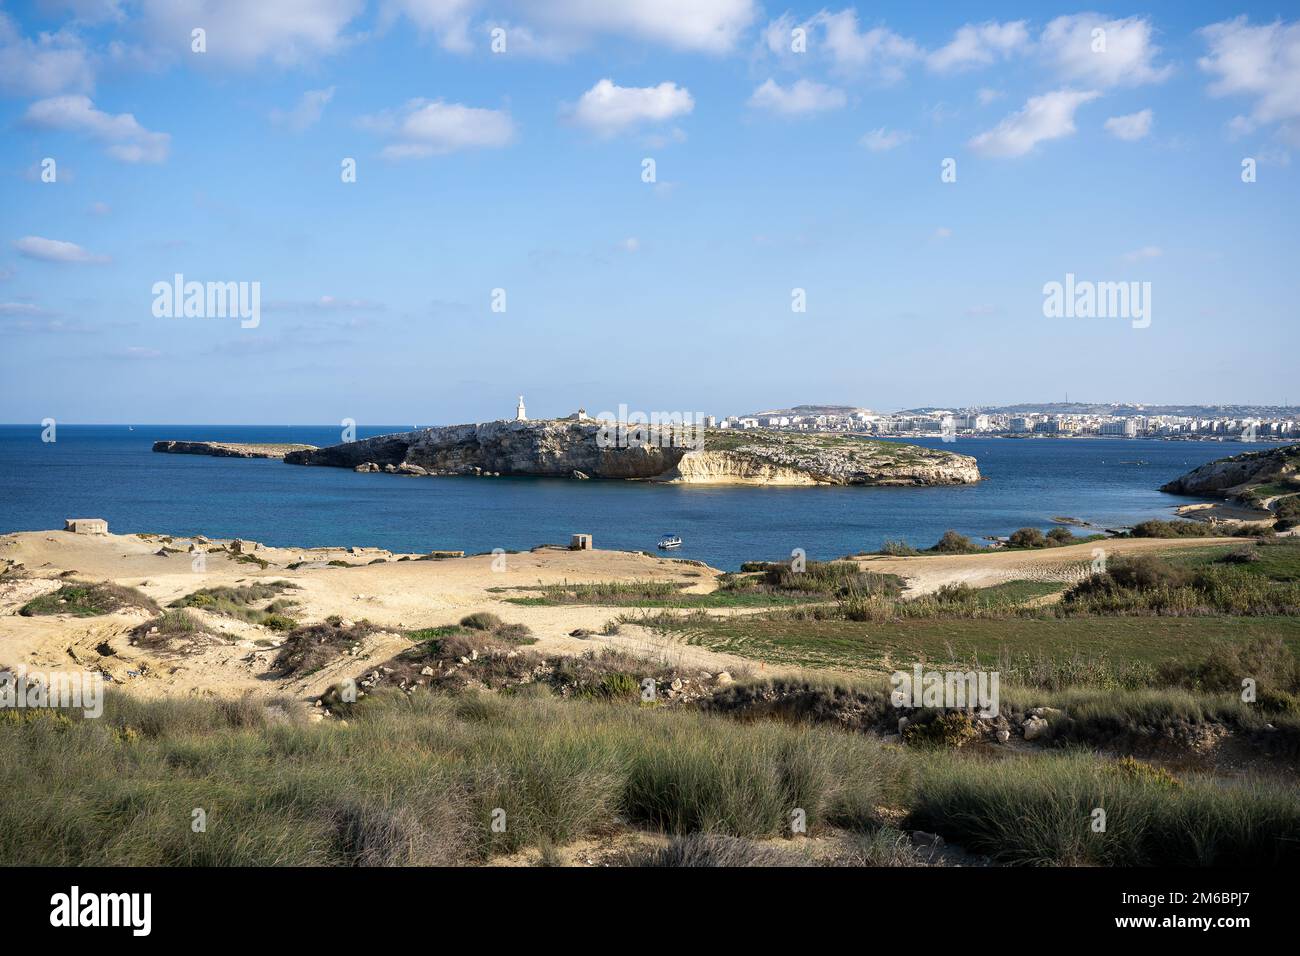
x,y
520,414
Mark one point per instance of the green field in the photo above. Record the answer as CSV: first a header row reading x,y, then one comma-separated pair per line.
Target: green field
x,y
872,646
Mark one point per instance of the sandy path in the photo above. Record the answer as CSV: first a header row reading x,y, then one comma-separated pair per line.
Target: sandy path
x,y
927,573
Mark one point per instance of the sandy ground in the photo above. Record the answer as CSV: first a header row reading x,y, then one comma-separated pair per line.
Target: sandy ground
x,y
1227,511
398,596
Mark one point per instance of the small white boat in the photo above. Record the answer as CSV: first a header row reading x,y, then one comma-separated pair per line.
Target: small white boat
x,y
669,542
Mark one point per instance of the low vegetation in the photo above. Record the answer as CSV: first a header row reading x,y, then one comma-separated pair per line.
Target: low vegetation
x,y
307,649
173,630
1041,811
421,778
412,780
258,603
1150,585
1195,529
84,599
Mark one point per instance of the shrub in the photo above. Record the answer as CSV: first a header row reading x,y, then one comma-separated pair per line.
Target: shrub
x,y
840,578
1146,585
170,626
242,602
1267,660
481,621
1246,554
84,599
898,549
1027,538
940,729
1060,535
954,543
308,649
1039,811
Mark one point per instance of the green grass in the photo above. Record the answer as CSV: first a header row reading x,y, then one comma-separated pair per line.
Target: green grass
x,y
1279,560
880,645
421,780
83,599
1015,592
651,594
714,600
1040,811
410,781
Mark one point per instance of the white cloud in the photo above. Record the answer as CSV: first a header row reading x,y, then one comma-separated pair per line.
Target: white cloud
x,y
1146,252
52,63
306,113
94,11
778,35
243,32
880,140
979,45
125,139
943,232
987,95
137,352
803,97
1262,62
708,26
609,109
21,308
447,19
431,128
1132,127
1120,54
555,28
1045,117
55,250
878,52
630,244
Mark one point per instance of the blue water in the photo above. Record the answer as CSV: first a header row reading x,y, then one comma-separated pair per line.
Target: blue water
x,y
110,472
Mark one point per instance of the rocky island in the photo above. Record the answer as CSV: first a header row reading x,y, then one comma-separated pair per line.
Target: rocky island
x,y
224,449
588,449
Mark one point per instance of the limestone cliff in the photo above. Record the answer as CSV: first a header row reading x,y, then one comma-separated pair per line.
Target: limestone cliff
x,y
562,448
1253,476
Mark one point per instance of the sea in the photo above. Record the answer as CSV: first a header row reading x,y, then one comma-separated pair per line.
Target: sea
x,y
111,472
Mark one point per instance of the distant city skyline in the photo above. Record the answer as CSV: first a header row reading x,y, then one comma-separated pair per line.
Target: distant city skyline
x,y
433,207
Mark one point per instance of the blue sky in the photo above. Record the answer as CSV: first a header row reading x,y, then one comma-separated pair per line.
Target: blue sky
x,y
522,170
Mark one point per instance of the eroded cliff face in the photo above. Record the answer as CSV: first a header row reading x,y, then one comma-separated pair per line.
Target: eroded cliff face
x,y
757,466
1235,476
561,448
729,468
